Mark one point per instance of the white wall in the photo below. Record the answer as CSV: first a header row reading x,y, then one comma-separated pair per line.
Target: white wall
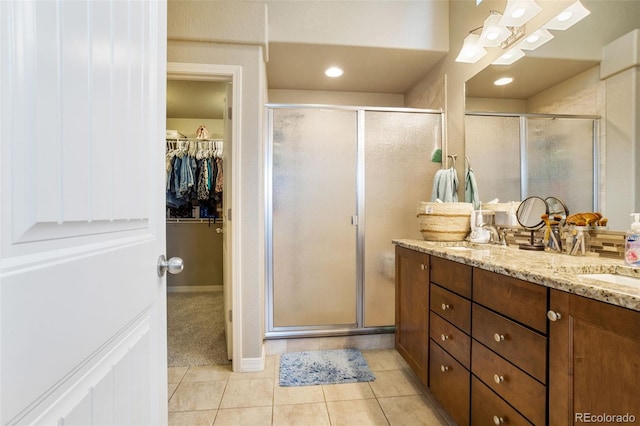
x,y
386,24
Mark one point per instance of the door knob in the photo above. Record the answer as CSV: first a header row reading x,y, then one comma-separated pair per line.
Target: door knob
x,y
553,316
175,265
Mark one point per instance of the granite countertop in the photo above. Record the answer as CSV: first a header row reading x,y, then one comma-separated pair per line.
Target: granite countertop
x,y
553,270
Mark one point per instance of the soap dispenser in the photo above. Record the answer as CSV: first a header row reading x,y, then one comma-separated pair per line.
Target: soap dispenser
x,y
632,243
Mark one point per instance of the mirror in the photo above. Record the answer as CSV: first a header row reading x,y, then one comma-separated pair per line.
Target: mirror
x,y
569,63
557,210
529,216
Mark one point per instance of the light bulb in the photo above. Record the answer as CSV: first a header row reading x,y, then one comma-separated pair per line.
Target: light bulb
x,y
564,16
333,72
518,13
502,81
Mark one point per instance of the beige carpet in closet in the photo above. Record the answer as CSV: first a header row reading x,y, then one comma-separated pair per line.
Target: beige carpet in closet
x,y
195,329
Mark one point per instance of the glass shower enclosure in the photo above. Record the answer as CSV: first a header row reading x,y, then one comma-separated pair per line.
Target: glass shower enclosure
x,y
515,156
342,183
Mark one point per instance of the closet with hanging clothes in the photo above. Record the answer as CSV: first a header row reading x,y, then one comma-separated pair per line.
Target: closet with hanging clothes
x,y
194,181
197,211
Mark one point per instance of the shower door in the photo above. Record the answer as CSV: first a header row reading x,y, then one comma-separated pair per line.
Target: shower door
x,y
313,237
344,183
397,166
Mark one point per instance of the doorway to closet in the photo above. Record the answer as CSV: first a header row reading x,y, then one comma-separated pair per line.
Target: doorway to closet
x,y
198,146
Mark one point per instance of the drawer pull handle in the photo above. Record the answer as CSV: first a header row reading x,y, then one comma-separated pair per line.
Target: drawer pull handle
x,y
444,337
498,337
498,379
445,306
444,368
553,316
498,420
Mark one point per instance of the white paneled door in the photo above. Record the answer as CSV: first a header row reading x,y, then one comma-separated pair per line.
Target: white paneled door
x,y
82,307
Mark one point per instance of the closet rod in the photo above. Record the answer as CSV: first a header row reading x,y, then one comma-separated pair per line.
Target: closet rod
x,y
177,220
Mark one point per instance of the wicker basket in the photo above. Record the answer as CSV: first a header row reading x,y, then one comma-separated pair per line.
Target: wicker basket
x,y
444,221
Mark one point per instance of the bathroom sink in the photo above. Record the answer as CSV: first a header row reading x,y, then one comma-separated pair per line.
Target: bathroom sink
x,y
613,279
460,248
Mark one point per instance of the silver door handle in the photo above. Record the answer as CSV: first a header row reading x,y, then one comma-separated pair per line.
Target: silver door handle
x,y
175,265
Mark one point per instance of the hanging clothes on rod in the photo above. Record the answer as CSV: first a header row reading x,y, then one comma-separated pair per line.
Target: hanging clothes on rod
x,y
194,176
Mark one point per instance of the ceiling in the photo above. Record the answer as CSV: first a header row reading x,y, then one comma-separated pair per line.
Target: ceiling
x,y
377,70
295,66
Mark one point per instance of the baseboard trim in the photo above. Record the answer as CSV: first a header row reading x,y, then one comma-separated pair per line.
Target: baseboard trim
x,y
193,288
253,365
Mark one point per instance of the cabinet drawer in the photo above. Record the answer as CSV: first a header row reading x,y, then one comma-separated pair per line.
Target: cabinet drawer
x,y
519,345
451,307
522,301
449,383
487,408
519,389
451,339
451,275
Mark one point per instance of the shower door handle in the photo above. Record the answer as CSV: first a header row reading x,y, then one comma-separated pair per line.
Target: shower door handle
x,y
175,265
354,220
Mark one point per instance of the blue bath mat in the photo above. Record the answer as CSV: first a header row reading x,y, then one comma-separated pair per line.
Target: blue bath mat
x,y
324,368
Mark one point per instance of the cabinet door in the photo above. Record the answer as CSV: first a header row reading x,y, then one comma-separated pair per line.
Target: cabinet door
x,y
593,361
412,309
450,384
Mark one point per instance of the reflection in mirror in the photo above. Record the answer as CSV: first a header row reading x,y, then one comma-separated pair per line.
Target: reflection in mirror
x,y
529,216
561,77
516,156
557,208
530,213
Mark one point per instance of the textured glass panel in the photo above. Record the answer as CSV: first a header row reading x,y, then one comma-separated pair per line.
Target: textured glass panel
x,y
398,149
314,198
493,147
560,161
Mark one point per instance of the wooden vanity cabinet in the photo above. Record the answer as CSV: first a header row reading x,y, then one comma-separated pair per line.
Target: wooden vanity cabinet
x,y
450,340
594,361
412,310
483,344
509,349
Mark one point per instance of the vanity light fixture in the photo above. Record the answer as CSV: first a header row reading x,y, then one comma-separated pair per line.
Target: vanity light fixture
x,y
535,39
333,72
493,34
509,57
471,51
503,81
568,17
519,12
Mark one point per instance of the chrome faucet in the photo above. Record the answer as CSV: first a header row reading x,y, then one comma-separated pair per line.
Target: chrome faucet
x,y
495,236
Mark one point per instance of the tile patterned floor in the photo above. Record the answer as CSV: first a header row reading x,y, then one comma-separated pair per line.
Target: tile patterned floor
x,y
217,396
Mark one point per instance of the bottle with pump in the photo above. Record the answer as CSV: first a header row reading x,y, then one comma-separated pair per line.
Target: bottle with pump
x,y
632,243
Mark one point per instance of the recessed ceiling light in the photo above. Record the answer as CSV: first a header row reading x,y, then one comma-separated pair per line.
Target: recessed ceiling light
x,y
502,81
333,72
